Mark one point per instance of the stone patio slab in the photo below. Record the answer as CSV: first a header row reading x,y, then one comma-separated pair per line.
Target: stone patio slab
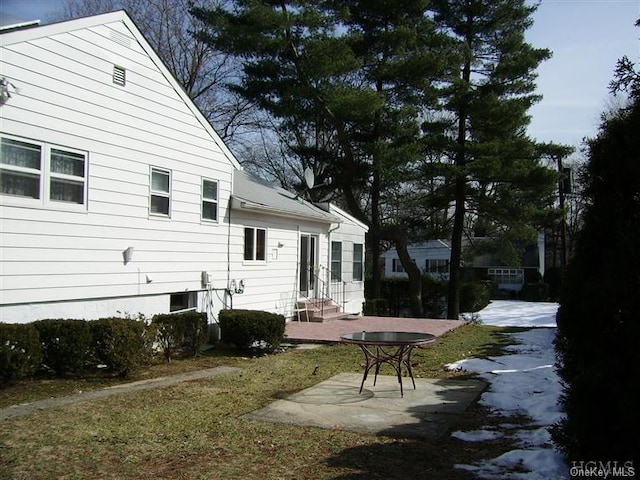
x,y
429,411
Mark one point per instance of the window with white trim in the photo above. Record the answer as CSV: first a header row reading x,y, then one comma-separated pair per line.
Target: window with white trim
x,y
504,276
358,262
40,171
160,196
336,261
209,200
255,244
437,265
182,301
396,266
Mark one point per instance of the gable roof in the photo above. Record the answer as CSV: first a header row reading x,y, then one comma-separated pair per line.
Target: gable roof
x,y
20,35
256,195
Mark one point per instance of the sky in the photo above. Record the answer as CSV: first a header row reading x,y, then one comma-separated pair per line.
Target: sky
x,y
586,37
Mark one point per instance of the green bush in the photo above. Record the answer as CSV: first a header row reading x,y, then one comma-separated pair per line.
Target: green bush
x,y
180,331
245,327
598,320
66,344
535,292
20,351
376,307
118,343
474,296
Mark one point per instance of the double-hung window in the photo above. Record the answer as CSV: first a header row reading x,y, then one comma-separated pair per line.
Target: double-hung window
x,y
160,197
209,200
336,261
396,266
43,172
66,176
437,265
255,244
358,262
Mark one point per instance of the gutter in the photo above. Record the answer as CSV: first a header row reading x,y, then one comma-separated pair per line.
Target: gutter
x,y
239,203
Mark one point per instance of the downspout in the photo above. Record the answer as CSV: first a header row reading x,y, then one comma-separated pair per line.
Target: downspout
x,y
296,280
226,289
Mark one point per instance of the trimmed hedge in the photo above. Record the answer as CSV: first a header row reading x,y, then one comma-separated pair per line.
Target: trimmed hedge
x,y
181,331
66,344
118,343
474,296
376,307
243,328
535,292
20,351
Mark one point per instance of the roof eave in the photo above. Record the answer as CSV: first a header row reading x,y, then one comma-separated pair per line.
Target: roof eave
x,y
239,203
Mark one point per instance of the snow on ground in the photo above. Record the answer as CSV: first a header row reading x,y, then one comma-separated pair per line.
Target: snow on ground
x,y
514,313
523,382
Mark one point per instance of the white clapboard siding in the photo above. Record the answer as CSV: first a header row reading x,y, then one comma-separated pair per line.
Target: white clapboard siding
x,y
350,232
66,98
267,282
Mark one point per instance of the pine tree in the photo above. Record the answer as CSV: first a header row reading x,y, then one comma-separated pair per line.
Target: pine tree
x,y
348,82
494,176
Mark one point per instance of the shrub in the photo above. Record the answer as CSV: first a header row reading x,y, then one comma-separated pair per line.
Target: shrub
x,y
118,343
474,296
66,344
376,307
598,320
535,292
20,352
245,327
181,331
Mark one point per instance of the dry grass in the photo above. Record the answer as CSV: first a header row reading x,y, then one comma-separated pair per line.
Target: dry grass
x,y
194,430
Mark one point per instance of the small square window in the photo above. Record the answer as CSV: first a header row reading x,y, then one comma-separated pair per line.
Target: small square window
x,y
119,76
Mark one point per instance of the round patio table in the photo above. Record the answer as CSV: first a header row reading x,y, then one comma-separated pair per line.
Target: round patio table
x,y
392,348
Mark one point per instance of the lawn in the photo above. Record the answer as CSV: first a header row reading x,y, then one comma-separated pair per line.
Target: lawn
x,y
195,430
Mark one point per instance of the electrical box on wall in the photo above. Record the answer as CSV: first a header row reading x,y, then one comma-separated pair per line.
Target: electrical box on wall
x,y
206,278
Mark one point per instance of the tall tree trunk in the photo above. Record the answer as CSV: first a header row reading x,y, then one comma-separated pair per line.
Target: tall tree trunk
x,y
453,299
415,277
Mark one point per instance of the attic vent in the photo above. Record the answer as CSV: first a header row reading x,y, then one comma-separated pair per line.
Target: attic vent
x,y
120,38
119,75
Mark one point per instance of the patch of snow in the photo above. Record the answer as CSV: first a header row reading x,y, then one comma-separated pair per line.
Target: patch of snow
x,y
517,313
477,435
529,464
523,382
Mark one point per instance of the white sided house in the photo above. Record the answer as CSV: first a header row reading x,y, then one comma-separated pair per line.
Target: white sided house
x,y
433,258
118,198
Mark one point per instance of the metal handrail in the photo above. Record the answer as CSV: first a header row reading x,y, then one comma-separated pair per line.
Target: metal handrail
x,y
326,292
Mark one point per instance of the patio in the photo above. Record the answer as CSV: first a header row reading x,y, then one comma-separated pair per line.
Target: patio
x,y
330,332
429,411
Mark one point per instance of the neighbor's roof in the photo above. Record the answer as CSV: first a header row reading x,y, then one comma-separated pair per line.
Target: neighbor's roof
x,y
254,194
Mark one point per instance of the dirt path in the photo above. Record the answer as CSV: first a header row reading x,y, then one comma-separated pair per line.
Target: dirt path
x,y
27,408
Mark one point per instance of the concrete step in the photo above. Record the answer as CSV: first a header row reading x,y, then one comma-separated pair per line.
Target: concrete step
x,y
323,310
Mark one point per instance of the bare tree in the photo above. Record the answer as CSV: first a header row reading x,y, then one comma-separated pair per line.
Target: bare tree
x,y
204,73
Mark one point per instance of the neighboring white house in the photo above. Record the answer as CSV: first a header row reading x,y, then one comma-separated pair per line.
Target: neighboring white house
x,y
433,256
117,196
